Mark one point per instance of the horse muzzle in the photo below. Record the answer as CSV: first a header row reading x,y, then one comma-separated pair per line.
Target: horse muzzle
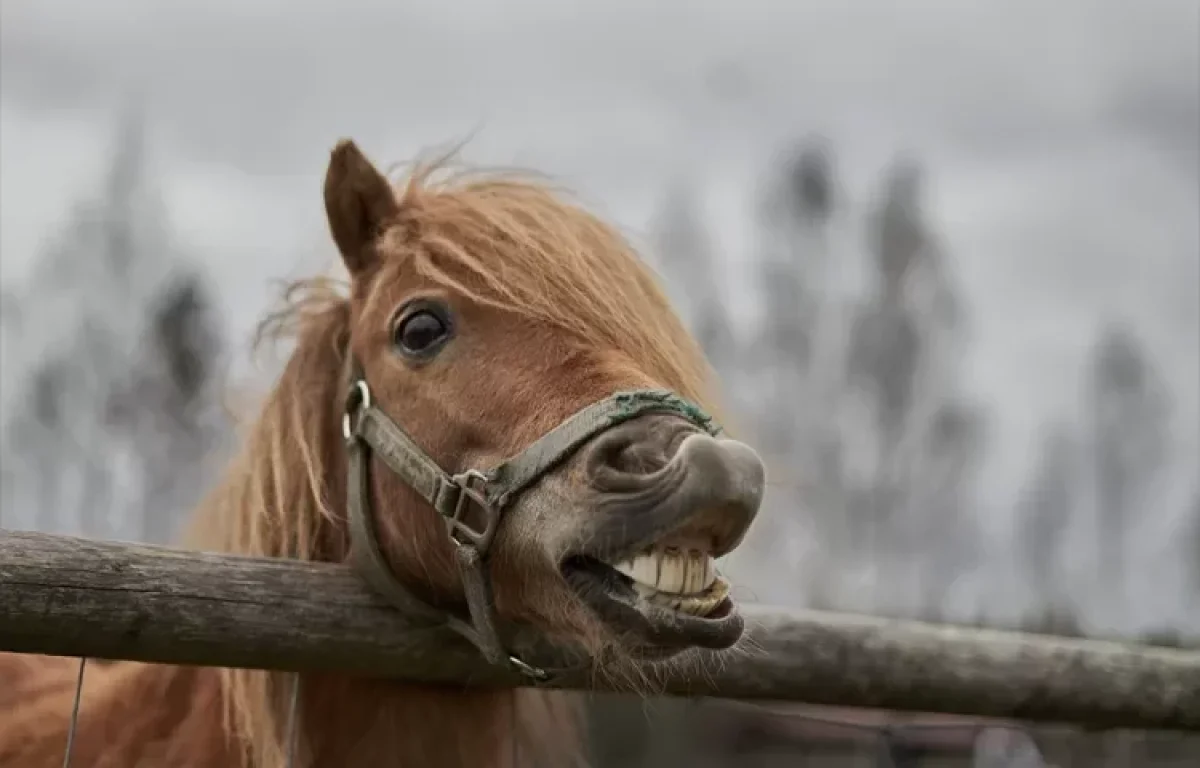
x,y
667,500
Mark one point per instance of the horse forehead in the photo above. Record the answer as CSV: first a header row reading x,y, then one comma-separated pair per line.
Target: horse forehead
x,y
387,286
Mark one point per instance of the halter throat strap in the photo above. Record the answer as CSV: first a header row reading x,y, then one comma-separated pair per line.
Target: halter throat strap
x,y
471,503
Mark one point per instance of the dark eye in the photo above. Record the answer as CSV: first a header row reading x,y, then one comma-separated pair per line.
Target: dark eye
x,y
421,332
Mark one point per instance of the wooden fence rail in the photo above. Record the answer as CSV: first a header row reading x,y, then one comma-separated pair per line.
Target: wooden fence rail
x,y
79,597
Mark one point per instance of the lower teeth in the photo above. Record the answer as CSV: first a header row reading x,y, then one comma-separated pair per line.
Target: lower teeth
x,y
694,605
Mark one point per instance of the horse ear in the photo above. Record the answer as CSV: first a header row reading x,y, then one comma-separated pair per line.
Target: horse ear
x,y
359,202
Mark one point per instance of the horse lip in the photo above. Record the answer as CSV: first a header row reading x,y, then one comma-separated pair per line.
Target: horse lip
x,y
659,631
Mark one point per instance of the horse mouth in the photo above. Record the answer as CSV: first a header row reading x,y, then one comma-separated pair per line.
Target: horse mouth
x,y
662,596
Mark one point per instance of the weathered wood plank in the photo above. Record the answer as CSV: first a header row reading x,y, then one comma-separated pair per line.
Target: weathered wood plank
x,y
78,597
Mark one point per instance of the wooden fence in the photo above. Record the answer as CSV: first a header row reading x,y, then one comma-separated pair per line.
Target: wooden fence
x,y
68,596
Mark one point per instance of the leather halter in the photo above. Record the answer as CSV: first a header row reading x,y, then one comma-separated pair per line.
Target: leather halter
x,y
472,502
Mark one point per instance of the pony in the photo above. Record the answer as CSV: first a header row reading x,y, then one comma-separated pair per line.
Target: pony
x,y
484,313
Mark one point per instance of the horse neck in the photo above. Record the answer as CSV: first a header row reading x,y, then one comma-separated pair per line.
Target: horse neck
x,y
143,714
129,714
267,507
373,723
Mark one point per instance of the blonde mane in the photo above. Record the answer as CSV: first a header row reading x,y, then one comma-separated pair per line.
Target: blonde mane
x,y
533,253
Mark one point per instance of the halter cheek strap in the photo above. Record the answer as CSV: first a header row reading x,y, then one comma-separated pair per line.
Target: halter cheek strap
x,y
472,503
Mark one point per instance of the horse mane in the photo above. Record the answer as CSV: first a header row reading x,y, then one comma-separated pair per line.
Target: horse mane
x,y
529,250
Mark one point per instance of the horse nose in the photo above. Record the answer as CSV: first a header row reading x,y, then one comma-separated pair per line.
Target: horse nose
x,y
723,478
664,460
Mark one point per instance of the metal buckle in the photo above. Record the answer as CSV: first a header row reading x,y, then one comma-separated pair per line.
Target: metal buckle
x,y
536,673
470,485
357,399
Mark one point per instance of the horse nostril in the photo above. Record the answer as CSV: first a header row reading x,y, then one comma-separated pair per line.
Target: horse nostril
x,y
633,457
658,475
617,459
609,453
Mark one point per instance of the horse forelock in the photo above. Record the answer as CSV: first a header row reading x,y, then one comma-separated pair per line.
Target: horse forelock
x,y
530,249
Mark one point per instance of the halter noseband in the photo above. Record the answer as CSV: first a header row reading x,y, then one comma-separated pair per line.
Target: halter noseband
x,y
367,429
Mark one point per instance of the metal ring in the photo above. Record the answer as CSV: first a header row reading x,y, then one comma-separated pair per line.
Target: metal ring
x,y
364,393
358,398
527,670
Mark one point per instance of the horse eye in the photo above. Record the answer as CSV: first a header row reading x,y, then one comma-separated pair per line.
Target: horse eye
x,y
420,333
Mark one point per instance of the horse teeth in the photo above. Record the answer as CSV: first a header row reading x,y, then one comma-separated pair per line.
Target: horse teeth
x,y
701,604
671,570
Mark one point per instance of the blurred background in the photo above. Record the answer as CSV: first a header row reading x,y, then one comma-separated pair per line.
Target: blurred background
x,y
944,255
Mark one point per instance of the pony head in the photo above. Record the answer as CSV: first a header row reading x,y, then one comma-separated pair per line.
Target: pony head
x,y
486,314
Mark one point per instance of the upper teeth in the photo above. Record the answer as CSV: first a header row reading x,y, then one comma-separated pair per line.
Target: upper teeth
x,y
679,572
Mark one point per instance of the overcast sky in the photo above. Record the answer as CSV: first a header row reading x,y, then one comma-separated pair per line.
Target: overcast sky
x,y
1061,137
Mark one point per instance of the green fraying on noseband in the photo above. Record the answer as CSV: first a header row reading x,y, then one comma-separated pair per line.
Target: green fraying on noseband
x,y
630,404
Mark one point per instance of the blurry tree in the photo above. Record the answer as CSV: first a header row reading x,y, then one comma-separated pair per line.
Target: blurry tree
x,y
796,349
113,356
1048,504
907,256
1049,501
887,350
167,406
913,443
796,212
11,325
904,354
1193,546
11,312
792,356
810,178
942,528
886,347
1129,412
858,404
685,250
